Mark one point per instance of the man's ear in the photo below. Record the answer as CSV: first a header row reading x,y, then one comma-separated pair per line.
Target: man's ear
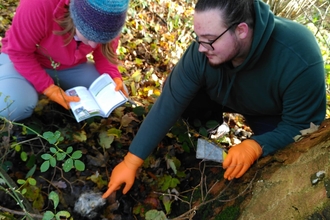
x,y
242,30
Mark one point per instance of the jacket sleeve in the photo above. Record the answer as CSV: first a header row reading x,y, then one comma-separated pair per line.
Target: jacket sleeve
x,y
102,64
180,88
28,28
304,102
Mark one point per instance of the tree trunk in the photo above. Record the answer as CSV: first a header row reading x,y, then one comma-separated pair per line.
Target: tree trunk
x,y
292,184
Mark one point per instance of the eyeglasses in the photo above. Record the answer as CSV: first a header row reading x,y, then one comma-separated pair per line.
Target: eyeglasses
x,y
208,45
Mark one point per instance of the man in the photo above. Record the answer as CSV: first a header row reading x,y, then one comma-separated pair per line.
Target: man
x,y
268,69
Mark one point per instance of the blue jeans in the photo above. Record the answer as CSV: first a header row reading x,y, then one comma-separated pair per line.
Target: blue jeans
x,y
18,97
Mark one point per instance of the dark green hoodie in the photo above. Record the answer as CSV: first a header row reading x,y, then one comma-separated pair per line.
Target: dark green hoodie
x,y
282,76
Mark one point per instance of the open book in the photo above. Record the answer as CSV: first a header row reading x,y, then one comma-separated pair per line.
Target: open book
x,y
100,99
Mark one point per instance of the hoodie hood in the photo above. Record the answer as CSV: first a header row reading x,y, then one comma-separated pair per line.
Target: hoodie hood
x,y
263,28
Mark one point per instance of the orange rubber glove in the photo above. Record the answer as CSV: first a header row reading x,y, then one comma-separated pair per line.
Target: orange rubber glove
x,y
124,172
56,94
120,85
240,157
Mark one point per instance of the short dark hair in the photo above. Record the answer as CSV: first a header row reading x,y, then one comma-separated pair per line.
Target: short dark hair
x,y
233,11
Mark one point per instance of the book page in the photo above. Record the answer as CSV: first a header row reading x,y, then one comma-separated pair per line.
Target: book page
x,y
86,107
103,90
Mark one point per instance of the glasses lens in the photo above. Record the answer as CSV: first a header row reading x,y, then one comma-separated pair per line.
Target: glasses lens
x,y
206,45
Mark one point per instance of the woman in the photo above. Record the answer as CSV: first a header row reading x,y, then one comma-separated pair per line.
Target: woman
x,y
44,51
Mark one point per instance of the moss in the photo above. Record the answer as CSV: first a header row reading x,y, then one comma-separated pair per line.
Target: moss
x,y
229,213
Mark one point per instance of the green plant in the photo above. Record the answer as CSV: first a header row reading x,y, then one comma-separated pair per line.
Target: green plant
x,y
49,215
58,154
8,186
31,191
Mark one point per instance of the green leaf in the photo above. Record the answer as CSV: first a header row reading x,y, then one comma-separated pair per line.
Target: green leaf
x,y
24,156
171,163
48,215
54,197
155,215
46,156
7,165
167,204
203,131
79,165
69,150
32,181
44,166
31,171
17,147
21,182
174,182
60,156
50,137
53,150
68,165
62,214
24,190
139,111
77,154
212,124
52,161
31,162
185,147
167,182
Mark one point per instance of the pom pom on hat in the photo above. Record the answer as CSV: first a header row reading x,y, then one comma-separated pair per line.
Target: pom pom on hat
x,y
99,20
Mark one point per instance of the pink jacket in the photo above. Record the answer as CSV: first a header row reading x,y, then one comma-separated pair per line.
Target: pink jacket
x,y
33,25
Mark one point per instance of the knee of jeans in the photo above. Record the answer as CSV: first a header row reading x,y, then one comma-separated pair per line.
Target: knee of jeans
x,y
19,105
16,111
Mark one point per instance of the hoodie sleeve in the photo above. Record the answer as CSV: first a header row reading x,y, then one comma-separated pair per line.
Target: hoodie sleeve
x,y
28,28
181,86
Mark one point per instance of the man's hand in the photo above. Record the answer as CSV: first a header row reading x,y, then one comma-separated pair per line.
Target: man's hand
x,y
120,85
56,94
240,157
124,172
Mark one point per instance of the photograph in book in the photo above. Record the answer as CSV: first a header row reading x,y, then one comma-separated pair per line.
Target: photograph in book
x,y
100,99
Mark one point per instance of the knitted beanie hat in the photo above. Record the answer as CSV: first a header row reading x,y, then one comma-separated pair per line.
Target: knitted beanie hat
x,y
99,20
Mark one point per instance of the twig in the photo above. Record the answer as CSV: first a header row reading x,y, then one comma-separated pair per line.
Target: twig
x,y
15,212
